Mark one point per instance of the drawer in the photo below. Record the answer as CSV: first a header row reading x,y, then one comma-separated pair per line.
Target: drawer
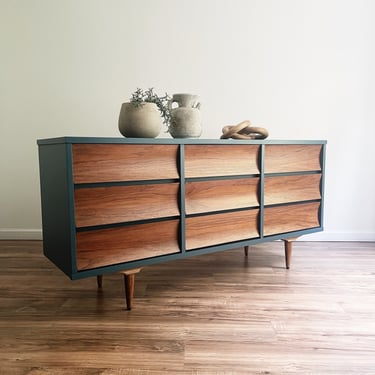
x,y
291,217
105,247
292,158
221,160
208,196
116,204
123,162
284,189
209,230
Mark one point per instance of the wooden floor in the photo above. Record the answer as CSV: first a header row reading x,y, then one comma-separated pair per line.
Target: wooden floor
x,y
213,314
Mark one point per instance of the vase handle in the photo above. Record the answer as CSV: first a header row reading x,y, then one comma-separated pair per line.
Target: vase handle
x,y
170,103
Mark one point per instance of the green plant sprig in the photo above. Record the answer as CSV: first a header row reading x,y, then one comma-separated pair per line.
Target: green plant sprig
x,y
141,96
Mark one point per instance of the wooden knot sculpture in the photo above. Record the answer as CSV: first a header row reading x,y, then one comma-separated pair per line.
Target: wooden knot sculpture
x,y
244,130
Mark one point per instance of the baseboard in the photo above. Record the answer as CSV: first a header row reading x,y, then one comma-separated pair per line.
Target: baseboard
x,y
339,237
21,234
36,234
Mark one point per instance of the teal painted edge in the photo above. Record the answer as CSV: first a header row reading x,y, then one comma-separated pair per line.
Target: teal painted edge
x,y
73,246
261,191
182,226
160,141
322,184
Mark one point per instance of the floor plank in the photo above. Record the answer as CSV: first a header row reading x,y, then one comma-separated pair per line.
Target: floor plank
x,y
219,313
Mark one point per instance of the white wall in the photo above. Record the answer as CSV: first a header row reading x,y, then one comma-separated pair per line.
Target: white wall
x,y
303,69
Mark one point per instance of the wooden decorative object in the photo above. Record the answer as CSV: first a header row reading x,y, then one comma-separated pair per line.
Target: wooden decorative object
x,y
116,205
244,130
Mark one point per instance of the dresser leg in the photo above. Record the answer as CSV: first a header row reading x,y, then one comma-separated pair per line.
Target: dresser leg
x,y
99,281
246,249
288,242
129,281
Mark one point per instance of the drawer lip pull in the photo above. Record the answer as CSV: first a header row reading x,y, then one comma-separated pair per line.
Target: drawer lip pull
x,y
109,246
118,204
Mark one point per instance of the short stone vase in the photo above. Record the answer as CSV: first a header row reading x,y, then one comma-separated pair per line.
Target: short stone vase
x,y
139,121
185,117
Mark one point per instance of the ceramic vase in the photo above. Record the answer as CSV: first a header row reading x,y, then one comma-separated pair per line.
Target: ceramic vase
x,y
185,116
141,121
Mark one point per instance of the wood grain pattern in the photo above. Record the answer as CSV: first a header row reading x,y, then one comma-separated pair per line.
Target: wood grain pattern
x,y
116,162
208,196
215,229
282,219
219,313
104,247
116,204
221,160
283,189
292,158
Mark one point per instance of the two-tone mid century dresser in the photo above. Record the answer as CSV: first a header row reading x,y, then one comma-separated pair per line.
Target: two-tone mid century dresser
x,y
117,204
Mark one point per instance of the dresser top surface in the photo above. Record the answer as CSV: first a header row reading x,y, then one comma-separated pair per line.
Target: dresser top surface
x,y
160,141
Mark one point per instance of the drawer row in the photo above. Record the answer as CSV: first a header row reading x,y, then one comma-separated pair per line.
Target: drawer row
x,y
102,247
95,163
117,204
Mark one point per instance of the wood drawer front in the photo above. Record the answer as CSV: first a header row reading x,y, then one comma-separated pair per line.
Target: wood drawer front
x,y
282,219
115,162
284,189
208,196
117,204
208,230
292,158
221,160
106,247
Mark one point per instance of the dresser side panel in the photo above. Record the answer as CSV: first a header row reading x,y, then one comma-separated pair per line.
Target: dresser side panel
x,y
56,201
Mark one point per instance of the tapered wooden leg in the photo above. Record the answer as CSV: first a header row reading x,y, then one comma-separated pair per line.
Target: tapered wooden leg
x,y
129,281
99,281
246,249
288,244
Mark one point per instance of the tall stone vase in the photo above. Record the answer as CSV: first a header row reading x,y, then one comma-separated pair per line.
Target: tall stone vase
x,y
185,117
139,121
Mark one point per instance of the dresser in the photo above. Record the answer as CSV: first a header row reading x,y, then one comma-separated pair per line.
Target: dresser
x,y
120,204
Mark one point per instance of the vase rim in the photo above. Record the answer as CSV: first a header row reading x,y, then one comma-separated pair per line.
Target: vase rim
x,y
141,104
183,93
